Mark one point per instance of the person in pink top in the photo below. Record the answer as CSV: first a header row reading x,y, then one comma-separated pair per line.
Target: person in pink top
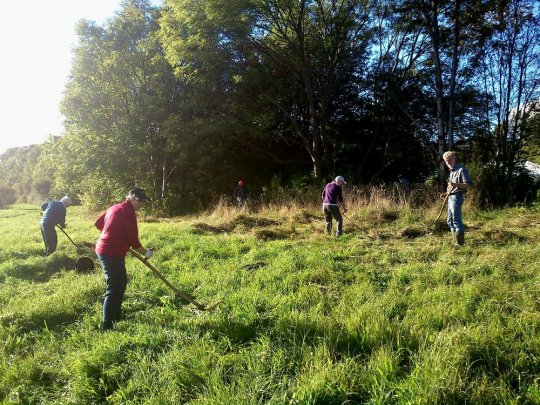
x,y
119,234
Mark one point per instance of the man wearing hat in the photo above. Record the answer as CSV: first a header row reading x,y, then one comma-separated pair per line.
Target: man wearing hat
x,y
332,196
119,234
54,213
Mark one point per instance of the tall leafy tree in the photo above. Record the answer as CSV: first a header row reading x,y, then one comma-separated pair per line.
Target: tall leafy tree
x,y
510,71
455,33
398,123
120,88
17,173
288,54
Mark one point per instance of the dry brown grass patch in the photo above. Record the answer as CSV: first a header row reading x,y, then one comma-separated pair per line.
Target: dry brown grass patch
x,y
241,222
306,217
201,227
253,222
267,234
502,236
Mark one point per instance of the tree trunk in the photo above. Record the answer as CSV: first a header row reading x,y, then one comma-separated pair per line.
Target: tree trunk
x,y
453,74
431,14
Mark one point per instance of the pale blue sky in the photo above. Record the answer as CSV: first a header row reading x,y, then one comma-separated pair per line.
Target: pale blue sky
x,y
36,42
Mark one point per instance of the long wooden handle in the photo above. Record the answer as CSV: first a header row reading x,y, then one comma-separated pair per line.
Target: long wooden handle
x,y
181,294
354,223
65,233
444,203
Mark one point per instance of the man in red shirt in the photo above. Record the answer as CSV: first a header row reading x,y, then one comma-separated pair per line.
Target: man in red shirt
x,y
119,233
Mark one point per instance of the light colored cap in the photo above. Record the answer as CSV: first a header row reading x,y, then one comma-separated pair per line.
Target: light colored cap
x,y
340,178
66,201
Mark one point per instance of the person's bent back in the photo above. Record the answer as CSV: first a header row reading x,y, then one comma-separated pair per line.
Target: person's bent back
x,y
54,213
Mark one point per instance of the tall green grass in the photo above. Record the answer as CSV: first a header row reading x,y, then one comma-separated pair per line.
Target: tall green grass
x,y
389,313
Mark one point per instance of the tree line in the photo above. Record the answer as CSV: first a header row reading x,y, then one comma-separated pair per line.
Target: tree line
x,y
187,98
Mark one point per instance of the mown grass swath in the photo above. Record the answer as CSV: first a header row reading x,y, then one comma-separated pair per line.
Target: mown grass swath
x,y
391,312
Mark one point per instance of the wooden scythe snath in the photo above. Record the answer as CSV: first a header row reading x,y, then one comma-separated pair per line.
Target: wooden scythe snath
x,y
444,203
179,293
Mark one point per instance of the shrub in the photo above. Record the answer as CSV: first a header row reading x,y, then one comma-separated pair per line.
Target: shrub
x,y
7,196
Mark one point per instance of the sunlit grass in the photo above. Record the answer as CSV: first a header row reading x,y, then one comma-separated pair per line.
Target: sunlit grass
x,y
391,312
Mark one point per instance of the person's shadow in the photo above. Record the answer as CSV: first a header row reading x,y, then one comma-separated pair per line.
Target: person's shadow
x,y
41,271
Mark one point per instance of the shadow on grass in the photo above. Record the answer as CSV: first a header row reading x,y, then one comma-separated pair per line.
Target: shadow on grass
x,y
439,228
42,271
43,320
411,233
238,332
503,237
89,245
11,216
52,312
294,332
22,254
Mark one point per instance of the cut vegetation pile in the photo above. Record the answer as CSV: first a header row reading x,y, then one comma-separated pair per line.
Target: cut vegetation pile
x,y
391,312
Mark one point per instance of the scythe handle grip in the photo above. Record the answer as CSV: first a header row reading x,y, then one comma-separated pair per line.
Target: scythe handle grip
x,y
444,203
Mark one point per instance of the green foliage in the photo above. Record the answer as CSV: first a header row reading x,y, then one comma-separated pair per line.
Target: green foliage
x,y
24,181
490,191
7,196
262,70
120,93
532,134
186,99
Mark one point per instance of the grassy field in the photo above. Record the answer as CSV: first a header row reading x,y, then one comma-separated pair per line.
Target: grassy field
x,y
390,313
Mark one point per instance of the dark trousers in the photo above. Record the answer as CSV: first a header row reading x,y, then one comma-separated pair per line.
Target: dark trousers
x,y
49,238
329,212
116,280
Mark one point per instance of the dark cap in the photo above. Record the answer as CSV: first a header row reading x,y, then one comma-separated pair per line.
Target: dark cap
x,y
138,194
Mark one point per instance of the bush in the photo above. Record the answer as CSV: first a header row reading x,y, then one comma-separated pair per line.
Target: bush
x,y
7,196
100,192
493,189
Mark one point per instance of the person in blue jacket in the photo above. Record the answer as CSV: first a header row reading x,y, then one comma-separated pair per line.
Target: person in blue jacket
x,y
54,213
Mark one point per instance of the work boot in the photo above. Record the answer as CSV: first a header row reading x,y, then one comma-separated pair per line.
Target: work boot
x,y
454,237
460,238
106,326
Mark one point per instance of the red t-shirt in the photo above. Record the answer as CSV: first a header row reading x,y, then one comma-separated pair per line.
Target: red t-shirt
x,y
119,231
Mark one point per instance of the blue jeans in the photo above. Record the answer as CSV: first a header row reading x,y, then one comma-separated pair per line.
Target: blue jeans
x,y
49,238
455,221
116,279
329,212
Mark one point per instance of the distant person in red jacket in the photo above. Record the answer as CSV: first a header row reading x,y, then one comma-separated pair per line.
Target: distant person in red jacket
x,y
241,193
119,233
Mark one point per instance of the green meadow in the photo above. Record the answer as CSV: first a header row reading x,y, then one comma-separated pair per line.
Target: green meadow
x,y
390,313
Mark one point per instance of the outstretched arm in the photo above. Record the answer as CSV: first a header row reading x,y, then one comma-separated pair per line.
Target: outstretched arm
x,y
462,186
